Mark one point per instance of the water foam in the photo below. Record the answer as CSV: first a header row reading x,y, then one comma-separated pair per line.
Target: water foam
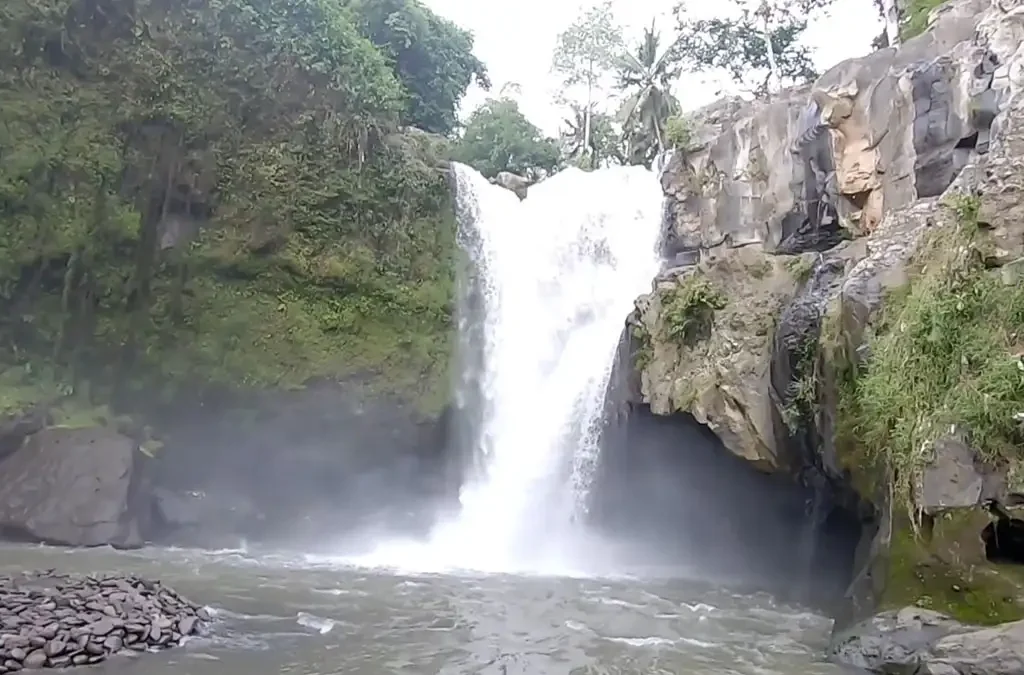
x,y
557,274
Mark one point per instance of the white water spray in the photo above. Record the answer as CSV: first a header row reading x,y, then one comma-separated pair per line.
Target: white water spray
x,y
560,272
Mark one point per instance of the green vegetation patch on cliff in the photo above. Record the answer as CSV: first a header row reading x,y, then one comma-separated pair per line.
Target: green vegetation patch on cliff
x,y
944,569
946,351
222,193
944,357
689,309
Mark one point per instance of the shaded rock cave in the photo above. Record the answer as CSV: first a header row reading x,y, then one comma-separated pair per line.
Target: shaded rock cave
x,y
669,484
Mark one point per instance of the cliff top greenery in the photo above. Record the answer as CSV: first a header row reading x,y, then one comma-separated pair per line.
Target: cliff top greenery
x,y
230,191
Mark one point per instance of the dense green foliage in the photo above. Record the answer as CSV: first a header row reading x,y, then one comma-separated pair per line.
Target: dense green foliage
x,y
740,45
432,57
498,137
218,192
689,309
585,57
946,352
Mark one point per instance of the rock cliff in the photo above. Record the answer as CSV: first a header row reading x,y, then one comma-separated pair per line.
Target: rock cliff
x,y
842,299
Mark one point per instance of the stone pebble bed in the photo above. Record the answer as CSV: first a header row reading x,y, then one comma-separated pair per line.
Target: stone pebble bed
x,y
50,620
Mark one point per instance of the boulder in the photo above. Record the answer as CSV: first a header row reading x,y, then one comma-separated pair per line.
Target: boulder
x,y
513,182
913,640
74,486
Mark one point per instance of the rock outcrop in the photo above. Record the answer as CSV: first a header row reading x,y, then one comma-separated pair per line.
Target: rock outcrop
x,y
74,486
815,168
841,303
514,182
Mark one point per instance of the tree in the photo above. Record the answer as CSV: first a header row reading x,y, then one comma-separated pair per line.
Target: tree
x,y
585,54
647,74
498,137
432,58
890,13
759,47
177,173
602,148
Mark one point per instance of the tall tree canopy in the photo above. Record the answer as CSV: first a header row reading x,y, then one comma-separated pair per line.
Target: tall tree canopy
x,y
432,57
498,137
585,55
759,46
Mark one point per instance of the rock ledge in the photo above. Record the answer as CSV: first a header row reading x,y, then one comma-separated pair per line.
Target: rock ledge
x,y
61,620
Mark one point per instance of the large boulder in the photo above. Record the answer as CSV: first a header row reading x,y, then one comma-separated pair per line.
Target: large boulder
x,y
514,182
74,486
912,640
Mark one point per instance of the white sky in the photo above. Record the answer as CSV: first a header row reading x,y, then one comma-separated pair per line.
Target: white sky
x,y
516,39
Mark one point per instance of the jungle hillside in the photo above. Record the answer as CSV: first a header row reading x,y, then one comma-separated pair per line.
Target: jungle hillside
x,y
208,194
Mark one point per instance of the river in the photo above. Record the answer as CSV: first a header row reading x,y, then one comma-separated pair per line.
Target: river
x,y
278,613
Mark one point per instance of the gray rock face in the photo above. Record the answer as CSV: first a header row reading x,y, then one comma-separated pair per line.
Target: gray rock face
x,y
850,168
285,466
73,486
921,642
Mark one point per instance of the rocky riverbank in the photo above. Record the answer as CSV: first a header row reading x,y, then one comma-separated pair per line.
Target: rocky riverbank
x,y
62,620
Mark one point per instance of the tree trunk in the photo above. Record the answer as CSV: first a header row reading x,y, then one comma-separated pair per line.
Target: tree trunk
x,y
586,119
891,16
775,81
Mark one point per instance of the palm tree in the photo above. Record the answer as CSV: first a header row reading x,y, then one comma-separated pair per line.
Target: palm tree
x,y
589,150
648,74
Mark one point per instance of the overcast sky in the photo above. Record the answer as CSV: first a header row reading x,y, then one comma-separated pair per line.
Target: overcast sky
x,y
515,40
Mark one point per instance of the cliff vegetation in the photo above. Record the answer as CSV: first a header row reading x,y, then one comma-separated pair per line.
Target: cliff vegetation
x,y
946,353
239,193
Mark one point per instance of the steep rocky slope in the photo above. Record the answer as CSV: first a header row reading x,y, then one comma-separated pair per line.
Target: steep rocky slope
x,y
843,304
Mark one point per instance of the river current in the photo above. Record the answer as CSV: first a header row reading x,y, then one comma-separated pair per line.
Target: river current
x,y
279,613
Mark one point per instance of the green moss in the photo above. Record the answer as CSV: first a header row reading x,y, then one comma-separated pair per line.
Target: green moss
x,y
759,269
643,349
915,17
802,394
800,267
689,309
678,132
946,572
946,351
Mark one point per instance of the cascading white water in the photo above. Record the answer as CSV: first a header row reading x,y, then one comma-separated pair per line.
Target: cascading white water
x,y
559,273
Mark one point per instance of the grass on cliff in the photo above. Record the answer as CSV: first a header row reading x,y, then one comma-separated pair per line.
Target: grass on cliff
x,y
947,351
689,309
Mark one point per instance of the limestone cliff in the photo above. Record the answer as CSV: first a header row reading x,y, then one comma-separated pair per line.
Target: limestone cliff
x,y
832,255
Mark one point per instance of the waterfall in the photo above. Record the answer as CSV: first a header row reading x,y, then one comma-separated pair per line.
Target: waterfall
x,y
555,277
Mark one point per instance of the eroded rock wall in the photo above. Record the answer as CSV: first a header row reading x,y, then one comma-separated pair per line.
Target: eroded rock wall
x,y
813,171
789,224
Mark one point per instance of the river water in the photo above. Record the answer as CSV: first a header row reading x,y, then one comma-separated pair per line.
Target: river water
x,y
277,613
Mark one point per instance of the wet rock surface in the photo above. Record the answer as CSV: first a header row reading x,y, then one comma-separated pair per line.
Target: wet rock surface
x,y
50,620
921,642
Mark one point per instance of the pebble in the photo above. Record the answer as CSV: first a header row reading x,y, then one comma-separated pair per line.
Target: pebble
x,y
50,620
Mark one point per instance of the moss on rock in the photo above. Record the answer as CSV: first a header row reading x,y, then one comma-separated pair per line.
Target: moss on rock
x,y
945,570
